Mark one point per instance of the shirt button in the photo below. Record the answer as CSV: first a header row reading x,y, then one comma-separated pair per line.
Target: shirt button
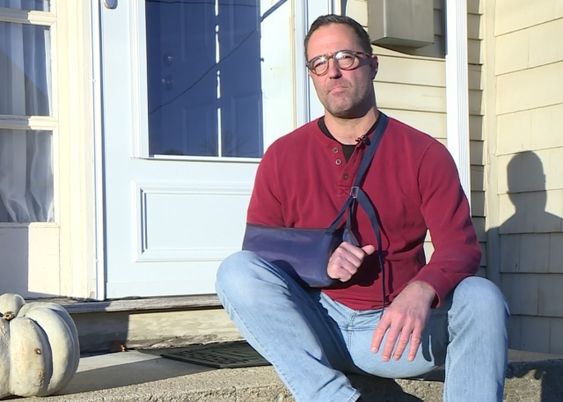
x,y
335,150
338,162
345,176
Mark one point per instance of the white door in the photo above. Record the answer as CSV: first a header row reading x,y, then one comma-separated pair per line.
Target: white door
x,y
192,93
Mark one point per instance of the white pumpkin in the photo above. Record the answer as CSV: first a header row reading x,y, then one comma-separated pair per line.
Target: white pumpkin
x,y
39,350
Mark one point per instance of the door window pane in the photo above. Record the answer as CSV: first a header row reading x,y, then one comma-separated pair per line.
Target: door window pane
x,y
26,176
35,5
24,69
204,78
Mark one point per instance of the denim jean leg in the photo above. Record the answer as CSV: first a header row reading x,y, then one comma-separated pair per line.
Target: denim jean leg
x,y
477,352
359,335
288,326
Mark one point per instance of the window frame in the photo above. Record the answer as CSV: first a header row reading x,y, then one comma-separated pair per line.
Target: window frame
x,y
48,124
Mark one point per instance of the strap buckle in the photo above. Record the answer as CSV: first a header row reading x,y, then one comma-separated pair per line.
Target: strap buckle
x,y
354,191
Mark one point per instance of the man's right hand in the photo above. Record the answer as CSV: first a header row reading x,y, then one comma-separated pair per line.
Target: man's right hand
x,y
346,260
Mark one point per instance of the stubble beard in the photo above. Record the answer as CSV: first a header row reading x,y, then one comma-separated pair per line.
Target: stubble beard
x,y
347,107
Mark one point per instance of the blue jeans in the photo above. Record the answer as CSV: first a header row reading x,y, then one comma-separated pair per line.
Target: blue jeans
x,y
311,340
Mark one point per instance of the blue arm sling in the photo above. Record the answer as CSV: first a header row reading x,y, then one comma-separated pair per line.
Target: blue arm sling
x,y
304,252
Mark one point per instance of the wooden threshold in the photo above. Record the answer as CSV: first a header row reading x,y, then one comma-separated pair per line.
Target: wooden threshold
x,y
165,303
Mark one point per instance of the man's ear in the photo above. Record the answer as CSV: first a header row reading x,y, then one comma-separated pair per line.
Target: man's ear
x,y
375,65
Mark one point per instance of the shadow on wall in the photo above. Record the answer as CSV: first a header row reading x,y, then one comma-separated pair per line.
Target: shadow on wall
x,y
524,259
526,190
523,250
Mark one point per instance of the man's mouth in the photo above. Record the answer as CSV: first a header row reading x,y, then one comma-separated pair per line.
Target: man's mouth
x,y
337,89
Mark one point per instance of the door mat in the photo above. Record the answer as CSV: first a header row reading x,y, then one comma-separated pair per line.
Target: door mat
x,y
218,355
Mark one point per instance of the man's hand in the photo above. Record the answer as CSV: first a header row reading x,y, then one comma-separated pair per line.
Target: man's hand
x,y
346,259
404,320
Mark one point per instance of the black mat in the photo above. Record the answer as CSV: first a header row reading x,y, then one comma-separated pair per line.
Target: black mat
x,y
218,355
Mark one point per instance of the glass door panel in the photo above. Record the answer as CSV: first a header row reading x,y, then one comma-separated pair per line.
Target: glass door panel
x,y
204,78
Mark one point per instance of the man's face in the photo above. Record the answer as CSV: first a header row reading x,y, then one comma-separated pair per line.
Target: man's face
x,y
343,93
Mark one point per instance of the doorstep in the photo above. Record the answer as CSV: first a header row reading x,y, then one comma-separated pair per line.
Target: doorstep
x,y
152,322
146,376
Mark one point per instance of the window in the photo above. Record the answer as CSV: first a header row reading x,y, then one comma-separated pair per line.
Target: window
x,y
204,78
26,125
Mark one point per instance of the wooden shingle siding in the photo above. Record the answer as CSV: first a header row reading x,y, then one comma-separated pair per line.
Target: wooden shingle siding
x,y
530,89
476,111
536,129
533,333
515,15
526,167
515,57
537,46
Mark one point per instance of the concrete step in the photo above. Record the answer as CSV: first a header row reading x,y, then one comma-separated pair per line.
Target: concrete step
x,y
128,325
145,376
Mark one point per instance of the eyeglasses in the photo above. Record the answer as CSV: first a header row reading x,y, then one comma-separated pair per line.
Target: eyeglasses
x,y
345,59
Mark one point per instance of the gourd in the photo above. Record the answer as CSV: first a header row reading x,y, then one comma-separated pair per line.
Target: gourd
x,y
39,350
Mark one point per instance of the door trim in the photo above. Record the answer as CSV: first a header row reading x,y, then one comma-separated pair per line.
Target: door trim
x,y
99,287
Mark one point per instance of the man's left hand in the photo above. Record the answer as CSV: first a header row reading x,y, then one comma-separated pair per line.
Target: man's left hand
x,y
403,321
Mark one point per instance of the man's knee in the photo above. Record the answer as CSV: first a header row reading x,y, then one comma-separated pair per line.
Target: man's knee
x,y
234,271
480,296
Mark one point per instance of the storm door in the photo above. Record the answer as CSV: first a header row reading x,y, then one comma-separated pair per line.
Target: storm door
x,y
192,93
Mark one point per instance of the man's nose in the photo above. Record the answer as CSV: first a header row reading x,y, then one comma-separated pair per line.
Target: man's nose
x,y
333,68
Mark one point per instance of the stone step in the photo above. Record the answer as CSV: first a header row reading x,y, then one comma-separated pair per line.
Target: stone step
x,y
125,326
144,376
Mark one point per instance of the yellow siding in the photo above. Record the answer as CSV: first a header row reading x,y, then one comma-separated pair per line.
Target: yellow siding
x,y
550,179
528,48
411,97
357,9
524,173
514,15
412,89
535,129
428,72
530,89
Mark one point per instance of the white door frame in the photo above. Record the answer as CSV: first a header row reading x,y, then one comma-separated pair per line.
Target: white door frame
x,y
99,292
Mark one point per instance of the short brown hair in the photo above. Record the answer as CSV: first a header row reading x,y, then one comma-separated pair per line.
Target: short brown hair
x,y
328,19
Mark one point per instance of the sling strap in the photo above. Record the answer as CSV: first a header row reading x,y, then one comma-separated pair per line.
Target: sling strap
x,y
358,196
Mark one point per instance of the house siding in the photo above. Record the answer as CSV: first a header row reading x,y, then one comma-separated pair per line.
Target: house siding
x,y
516,119
412,88
525,144
475,58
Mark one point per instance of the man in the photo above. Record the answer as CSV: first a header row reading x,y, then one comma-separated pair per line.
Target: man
x,y
312,337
